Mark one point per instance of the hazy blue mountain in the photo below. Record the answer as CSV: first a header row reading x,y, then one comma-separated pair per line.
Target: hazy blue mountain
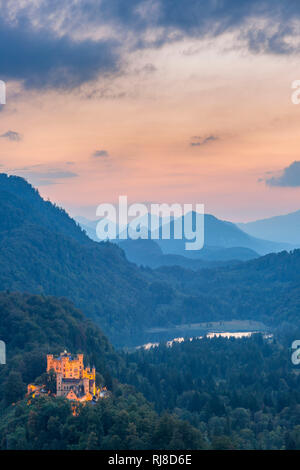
x,y
282,228
149,253
220,233
219,236
43,251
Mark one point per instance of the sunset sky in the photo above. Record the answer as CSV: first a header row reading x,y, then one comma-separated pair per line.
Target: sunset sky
x,y
163,101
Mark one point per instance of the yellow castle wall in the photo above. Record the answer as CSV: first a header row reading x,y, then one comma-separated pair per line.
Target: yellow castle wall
x,y
70,369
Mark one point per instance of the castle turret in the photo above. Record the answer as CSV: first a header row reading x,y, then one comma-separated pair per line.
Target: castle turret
x,y
59,389
49,362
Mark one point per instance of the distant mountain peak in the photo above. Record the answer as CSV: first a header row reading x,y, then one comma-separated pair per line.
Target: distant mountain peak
x,y
280,228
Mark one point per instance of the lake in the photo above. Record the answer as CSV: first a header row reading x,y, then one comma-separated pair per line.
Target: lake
x,y
212,334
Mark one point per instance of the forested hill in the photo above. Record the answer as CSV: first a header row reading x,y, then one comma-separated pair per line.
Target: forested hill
x,y
43,251
265,289
22,205
241,393
33,326
219,393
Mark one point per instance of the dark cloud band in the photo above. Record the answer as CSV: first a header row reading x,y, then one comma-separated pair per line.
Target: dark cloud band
x,y
34,51
42,59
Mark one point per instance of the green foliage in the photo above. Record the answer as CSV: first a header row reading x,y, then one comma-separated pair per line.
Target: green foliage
x,y
265,289
125,421
43,251
223,394
34,326
240,393
14,387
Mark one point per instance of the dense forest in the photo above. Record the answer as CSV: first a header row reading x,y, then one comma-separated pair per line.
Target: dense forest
x,y
125,421
43,251
33,326
240,393
265,289
210,393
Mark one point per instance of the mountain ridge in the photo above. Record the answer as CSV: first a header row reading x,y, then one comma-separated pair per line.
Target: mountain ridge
x,y
122,298
281,227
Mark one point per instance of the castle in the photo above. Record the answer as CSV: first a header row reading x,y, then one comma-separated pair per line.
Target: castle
x,y
73,380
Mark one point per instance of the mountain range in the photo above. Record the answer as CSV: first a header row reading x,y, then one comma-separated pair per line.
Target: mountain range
x,y
43,251
149,253
282,228
223,242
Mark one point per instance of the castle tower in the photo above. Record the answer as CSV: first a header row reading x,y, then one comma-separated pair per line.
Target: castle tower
x,y
80,359
49,362
59,389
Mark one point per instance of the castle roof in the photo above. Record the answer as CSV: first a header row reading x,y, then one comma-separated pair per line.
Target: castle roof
x,y
65,354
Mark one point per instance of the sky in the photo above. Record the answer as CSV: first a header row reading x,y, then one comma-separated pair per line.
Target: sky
x,y
159,100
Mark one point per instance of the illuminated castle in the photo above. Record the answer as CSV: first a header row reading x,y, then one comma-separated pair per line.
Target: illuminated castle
x,y
73,380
